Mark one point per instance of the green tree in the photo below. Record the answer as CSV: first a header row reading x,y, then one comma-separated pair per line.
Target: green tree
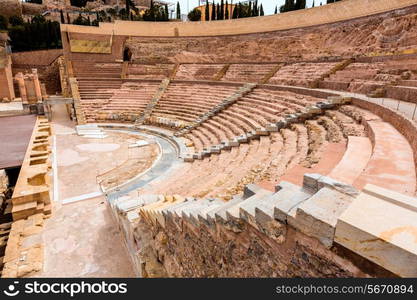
x,y
3,23
207,12
219,14
221,10
178,11
194,15
213,12
62,16
226,13
261,12
166,13
276,10
16,20
235,12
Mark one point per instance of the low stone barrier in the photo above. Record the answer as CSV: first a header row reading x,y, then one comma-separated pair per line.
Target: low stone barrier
x,y
317,230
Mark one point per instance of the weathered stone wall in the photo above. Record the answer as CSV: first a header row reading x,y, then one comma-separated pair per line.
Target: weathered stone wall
x,y
10,8
190,251
33,8
390,32
45,61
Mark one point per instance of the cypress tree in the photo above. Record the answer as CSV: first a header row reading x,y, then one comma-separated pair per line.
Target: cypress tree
x,y
207,12
128,9
221,10
276,10
219,14
249,13
166,17
88,21
313,4
262,10
213,12
178,11
235,12
62,17
226,14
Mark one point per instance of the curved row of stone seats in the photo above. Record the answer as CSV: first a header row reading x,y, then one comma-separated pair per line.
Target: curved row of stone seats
x,y
91,70
394,78
187,101
266,158
142,71
198,71
252,113
304,74
95,93
360,77
249,72
129,101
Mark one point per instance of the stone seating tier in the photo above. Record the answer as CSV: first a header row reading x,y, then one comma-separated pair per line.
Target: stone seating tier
x,y
302,74
198,71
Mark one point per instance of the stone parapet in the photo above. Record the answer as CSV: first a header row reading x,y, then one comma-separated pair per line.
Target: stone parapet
x,y
32,191
294,231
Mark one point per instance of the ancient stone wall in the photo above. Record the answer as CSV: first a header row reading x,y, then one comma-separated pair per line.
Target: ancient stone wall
x,y
45,61
10,8
366,36
184,237
340,11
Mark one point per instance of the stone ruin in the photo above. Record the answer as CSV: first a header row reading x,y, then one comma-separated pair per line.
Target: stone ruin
x,y
264,136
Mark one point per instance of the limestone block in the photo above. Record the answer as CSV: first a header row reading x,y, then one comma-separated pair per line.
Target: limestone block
x,y
219,215
335,99
272,127
198,155
188,158
313,110
261,131
242,138
234,143
380,225
325,105
4,181
203,214
247,207
283,204
317,216
315,182
215,149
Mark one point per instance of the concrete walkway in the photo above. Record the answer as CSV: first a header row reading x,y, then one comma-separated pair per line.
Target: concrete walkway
x,y
81,239
168,160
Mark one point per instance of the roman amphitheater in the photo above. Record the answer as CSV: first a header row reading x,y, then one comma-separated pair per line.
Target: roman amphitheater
x,y
275,146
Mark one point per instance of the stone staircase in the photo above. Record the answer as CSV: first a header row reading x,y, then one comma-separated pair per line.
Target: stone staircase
x,y
222,72
154,101
247,88
81,119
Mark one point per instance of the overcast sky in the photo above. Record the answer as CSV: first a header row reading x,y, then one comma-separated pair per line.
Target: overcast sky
x,y
268,5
